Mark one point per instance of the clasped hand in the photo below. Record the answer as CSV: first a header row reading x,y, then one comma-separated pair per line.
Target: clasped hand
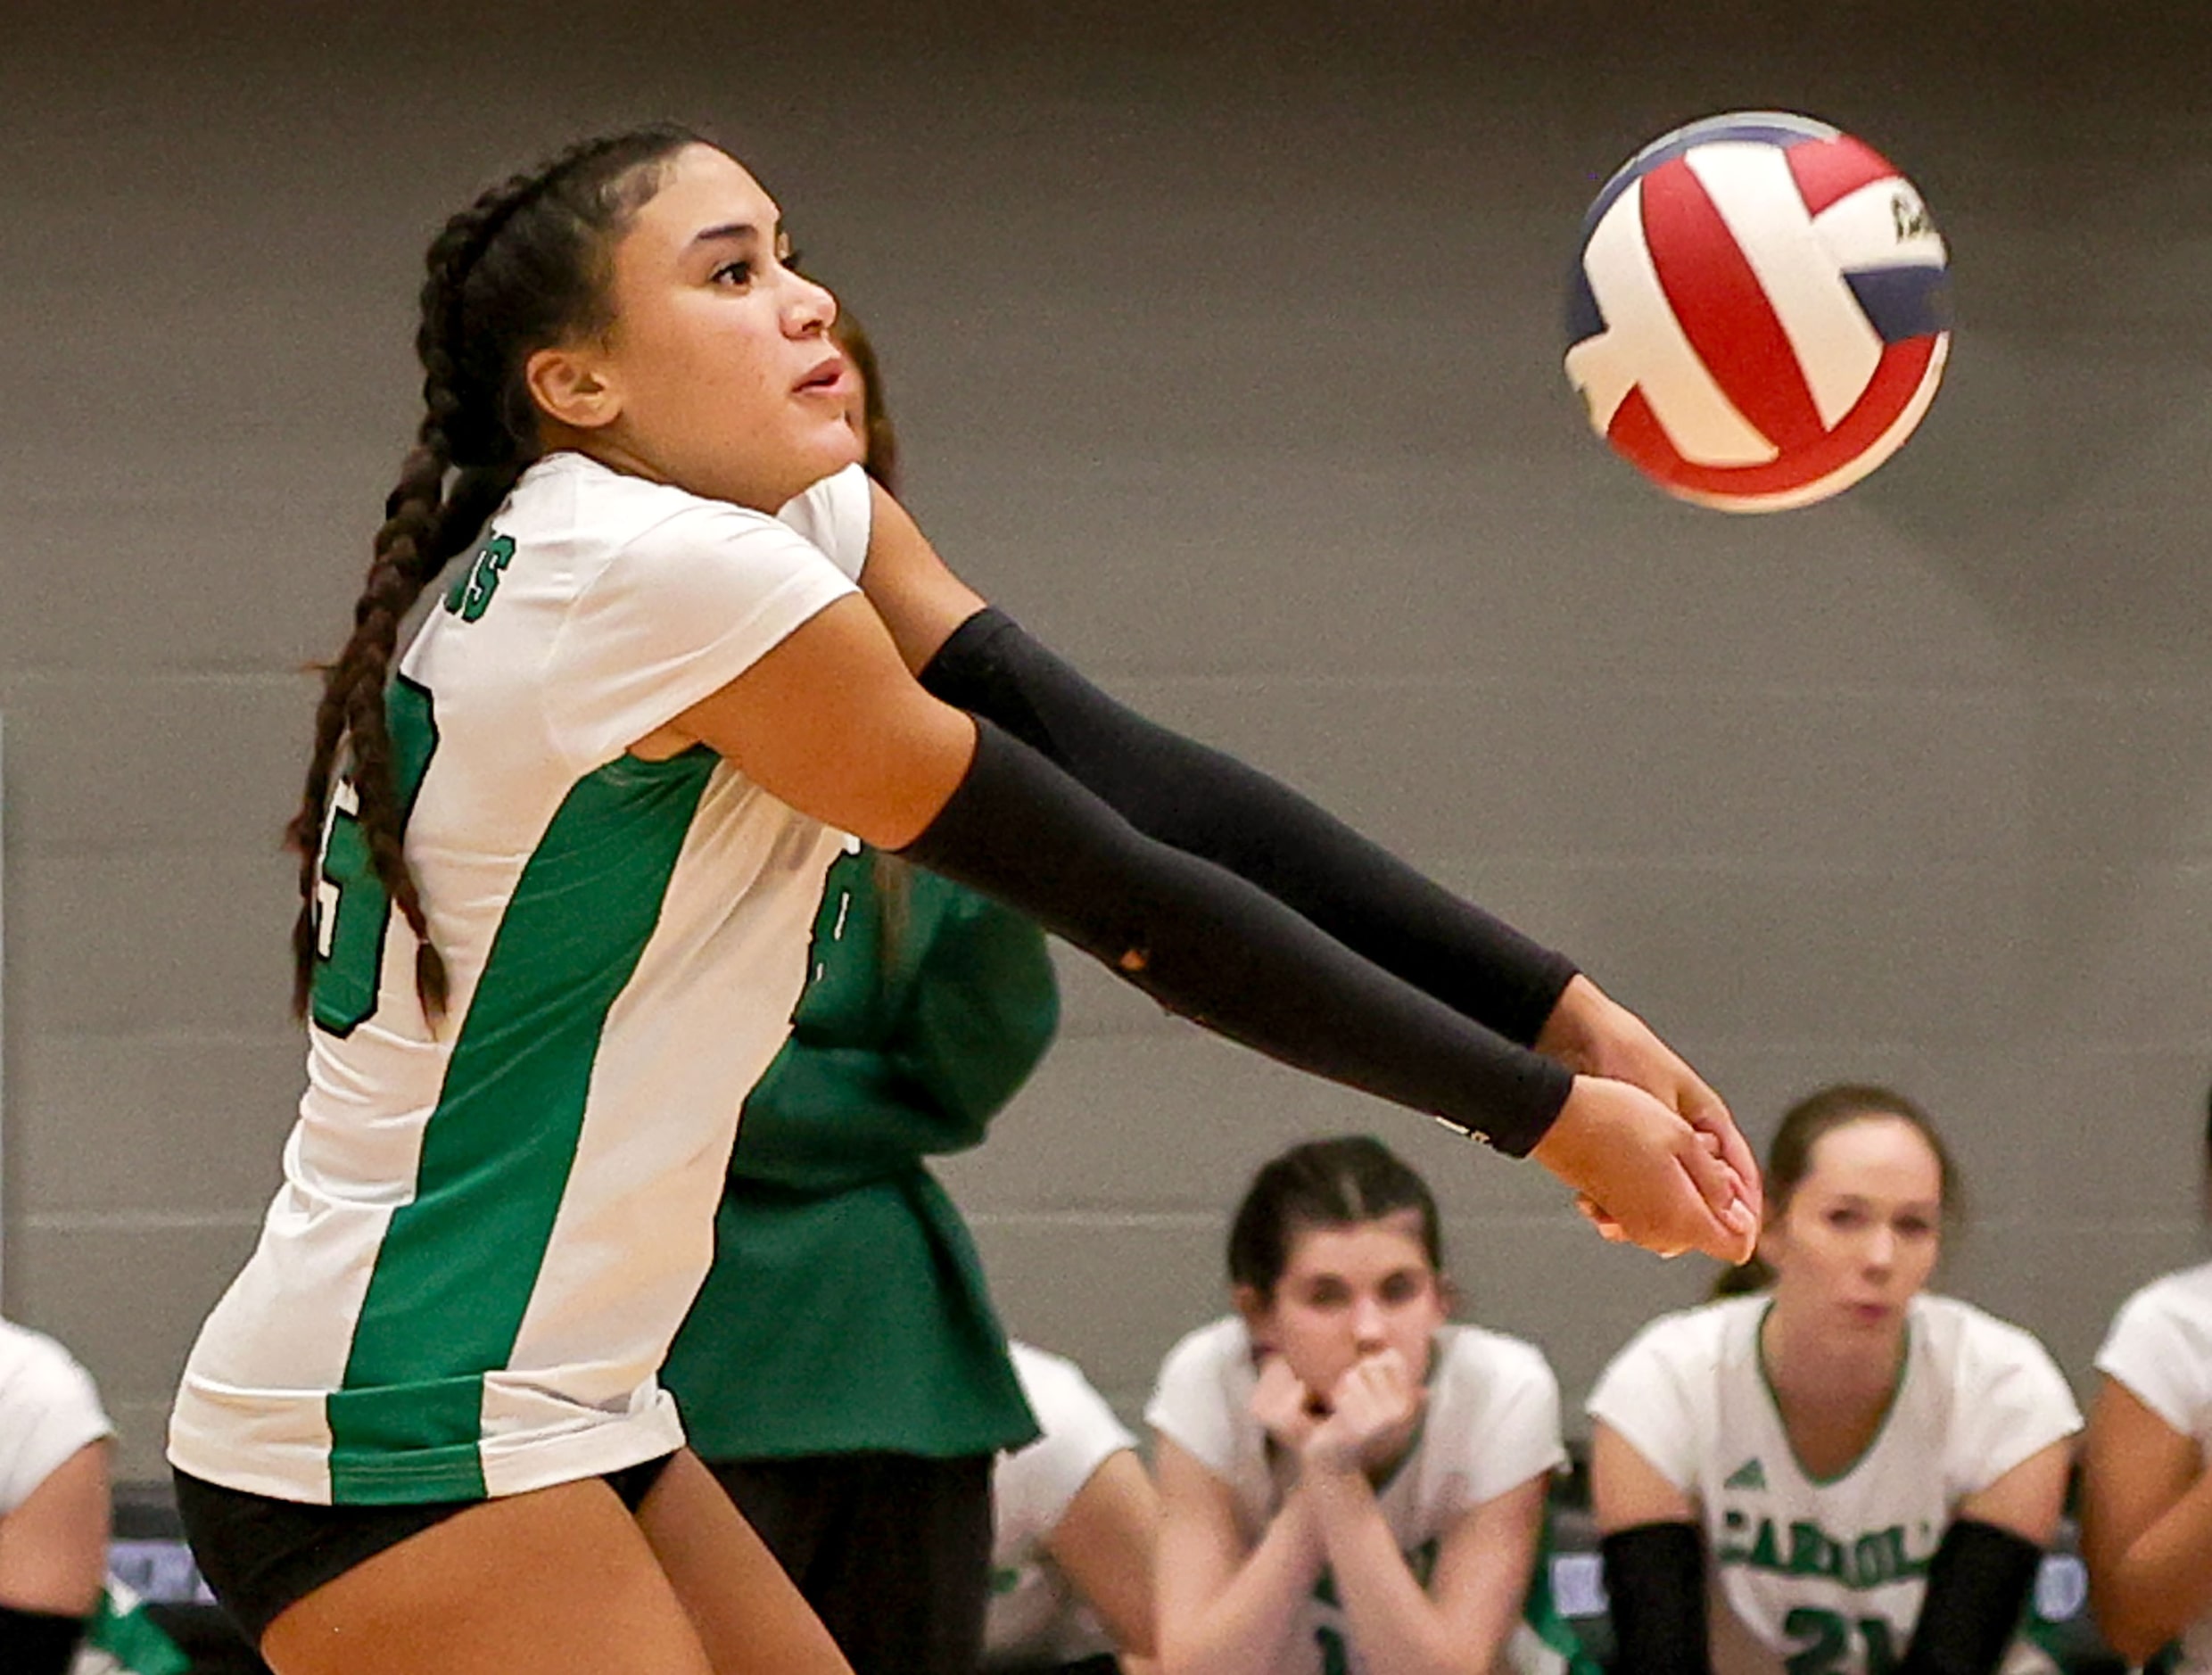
x,y
1360,1424
1653,1154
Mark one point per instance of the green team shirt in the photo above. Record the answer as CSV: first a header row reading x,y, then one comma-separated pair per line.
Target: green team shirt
x,y
845,1309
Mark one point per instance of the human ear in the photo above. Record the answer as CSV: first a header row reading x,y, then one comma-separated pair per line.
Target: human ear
x,y
1255,1311
571,387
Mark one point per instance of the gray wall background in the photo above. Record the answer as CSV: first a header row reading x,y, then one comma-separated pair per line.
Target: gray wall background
x,y
1225,343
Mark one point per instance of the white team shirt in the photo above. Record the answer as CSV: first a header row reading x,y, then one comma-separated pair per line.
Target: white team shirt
x,y
1491,1423
1035,1617
49,1410
488,1231
1818,1569
2161,1348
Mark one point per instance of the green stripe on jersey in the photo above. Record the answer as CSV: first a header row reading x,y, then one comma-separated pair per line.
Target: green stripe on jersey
x,y
459,1263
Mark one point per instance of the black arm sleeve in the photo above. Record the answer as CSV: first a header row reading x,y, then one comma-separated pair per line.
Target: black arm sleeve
x,y
34,1643
1205,943
1656,1593
1977,1586
1212,805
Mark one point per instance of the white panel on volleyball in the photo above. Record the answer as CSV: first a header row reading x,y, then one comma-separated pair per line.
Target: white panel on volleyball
x,y
1643,347
1884,224
1757,195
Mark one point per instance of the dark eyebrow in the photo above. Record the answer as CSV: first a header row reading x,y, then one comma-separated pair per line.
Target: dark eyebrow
x,y
734,230
728,230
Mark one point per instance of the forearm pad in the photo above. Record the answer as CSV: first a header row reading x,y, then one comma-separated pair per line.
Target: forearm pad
x,y
1211,806
36,1643
1977,1588
1655,1587
1207,943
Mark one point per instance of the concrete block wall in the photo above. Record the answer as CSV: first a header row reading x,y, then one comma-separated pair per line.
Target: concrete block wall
x,y
1224,342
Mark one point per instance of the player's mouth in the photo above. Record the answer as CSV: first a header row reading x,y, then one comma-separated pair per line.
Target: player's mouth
x,y
826,378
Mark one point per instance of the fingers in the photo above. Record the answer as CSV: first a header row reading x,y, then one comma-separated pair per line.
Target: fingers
x,y
1737,1153
1723,1193
1648,1177
1609,1228
1721,1139
1376,1393
1279,1401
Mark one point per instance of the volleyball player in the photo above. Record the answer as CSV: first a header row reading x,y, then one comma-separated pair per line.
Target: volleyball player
x,y
2146,1503
557,870
1352,1483
1839,1471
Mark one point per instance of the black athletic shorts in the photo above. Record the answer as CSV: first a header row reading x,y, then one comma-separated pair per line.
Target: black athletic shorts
x,y
261,1556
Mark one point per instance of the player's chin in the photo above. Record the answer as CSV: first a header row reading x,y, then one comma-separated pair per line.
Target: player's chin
x,y
823,432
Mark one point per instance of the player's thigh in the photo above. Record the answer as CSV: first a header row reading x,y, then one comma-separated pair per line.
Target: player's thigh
x,y
557,1581
749,1615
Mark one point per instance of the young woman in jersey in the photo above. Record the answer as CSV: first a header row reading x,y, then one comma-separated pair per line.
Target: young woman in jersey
x,y
1075,1532
558,864
1349,1482
842,1372
2146,1511
1841,1471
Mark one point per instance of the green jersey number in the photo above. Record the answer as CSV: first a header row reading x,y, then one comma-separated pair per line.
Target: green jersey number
x,y
1826,1642
352,907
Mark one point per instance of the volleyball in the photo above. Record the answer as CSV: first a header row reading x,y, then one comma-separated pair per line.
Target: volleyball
x,y
1757,318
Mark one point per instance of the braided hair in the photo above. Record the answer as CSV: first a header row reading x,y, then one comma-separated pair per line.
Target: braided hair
x,y
523,266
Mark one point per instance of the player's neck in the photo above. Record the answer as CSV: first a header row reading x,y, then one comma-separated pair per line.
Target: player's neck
x,y
1832,1390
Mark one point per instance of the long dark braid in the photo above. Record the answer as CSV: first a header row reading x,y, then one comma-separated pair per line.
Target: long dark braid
x,y
522,268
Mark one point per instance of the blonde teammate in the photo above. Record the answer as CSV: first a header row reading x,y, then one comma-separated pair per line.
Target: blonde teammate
x,y
1844,1471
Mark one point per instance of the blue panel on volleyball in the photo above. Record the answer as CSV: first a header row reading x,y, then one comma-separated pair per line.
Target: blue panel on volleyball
x,y
1903,302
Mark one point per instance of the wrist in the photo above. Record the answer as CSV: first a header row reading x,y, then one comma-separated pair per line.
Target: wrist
x,y
1331,1481
1568,1031
1297,1522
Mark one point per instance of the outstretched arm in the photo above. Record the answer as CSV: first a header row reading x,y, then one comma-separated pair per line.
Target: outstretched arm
x,y
1210,804
831,721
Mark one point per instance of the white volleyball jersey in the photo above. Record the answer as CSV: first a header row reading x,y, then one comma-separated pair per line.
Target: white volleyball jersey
x,y
2161,1348
1491,1423
49,1410
1036,1617
489,1229
1828,1572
